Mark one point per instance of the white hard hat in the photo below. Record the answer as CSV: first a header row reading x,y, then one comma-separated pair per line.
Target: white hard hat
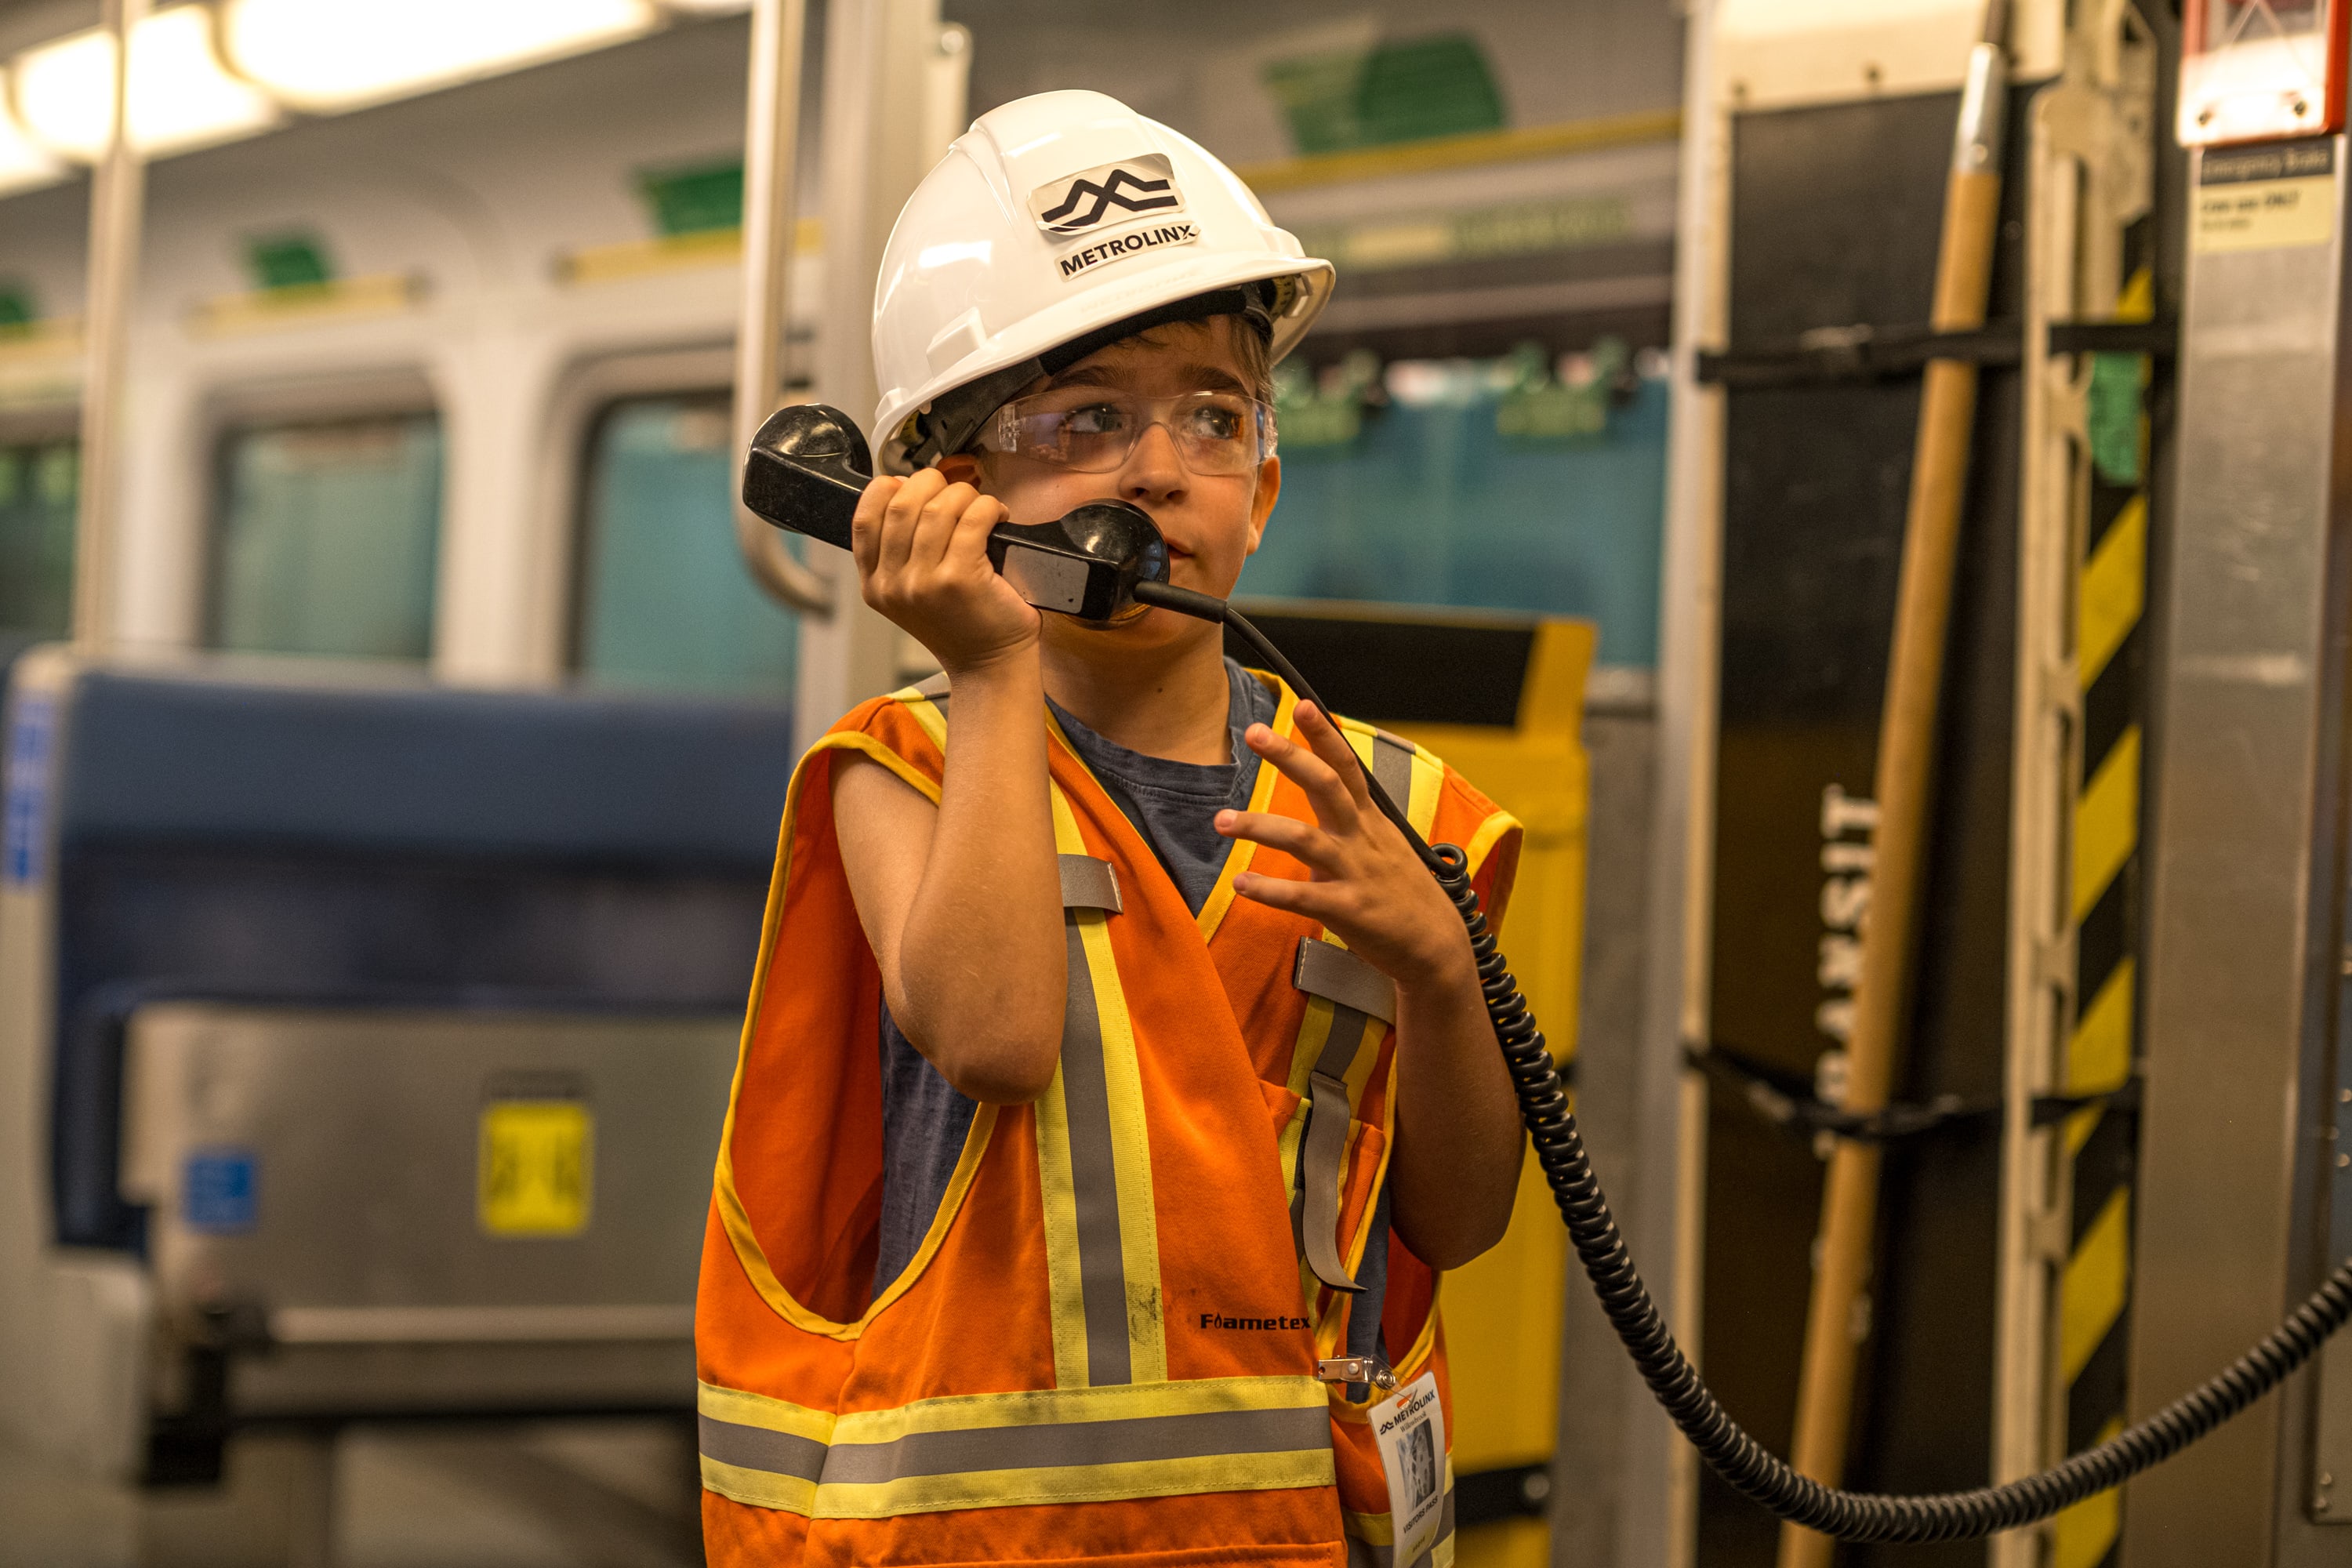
x,y
1057,224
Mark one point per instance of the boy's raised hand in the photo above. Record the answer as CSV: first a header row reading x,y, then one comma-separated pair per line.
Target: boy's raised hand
x,y
921,545
1369,887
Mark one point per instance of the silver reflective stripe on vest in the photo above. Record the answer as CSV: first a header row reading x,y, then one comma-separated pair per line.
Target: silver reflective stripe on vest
x,y
934,689
1329,970
1047,1447
1094,1174
759,1448
1132,1442
1089,884
1392,765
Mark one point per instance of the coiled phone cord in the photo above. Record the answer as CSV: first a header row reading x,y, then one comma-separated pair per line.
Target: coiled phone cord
x,y
1734,1455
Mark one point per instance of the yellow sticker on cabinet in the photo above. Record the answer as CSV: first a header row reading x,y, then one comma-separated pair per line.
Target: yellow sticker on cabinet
x,y
538,1160
2265,198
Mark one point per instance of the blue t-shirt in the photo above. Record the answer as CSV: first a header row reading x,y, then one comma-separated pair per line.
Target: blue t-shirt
x,y
1174,806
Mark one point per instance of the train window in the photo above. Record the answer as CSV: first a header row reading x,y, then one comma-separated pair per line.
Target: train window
x,y
1514,483
327,537
38,483
663,599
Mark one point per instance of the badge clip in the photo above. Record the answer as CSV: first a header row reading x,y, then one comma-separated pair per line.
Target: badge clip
x,y
1356,1369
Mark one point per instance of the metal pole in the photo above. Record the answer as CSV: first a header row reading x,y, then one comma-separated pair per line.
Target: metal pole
x,y
771,163
117,191
884,103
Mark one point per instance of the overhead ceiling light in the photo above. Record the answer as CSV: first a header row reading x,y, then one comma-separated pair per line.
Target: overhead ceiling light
x,y
181,98
328,54
24,163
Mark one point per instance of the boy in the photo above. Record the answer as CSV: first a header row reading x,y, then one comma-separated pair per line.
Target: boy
x,y
1112,1063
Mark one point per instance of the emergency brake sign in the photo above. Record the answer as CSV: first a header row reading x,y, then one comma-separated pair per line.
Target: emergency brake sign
x,y
2265,198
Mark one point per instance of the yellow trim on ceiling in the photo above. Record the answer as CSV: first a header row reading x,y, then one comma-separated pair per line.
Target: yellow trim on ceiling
x,y
307,304
671,253
1478,148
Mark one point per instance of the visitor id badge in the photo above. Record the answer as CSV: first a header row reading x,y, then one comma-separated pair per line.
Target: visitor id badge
x,y
1411,1429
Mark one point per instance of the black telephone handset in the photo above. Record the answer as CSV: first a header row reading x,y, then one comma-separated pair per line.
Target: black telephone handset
x,y
809,464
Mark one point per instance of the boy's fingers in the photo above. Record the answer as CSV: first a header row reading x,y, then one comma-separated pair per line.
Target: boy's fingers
x,y
1334,808
968,544
935,524
1329,744
1309,898
865,524
900,517
1310,847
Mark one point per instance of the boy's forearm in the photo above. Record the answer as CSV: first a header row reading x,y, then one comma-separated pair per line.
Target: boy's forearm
x,y
1456,1166
981,959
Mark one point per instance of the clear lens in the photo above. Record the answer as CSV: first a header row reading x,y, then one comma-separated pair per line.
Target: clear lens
x,y
1091,432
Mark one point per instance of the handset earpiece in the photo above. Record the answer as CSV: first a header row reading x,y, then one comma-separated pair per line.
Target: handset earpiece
x,y
806,468
809,464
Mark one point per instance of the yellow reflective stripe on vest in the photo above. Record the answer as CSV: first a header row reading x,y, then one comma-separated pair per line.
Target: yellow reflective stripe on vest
x,y
922,703
1237,858
1050,1446
1102,1233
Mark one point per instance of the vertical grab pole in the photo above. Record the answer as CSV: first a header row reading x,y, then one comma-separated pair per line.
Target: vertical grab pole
x,y
117,194
770,163
1906,736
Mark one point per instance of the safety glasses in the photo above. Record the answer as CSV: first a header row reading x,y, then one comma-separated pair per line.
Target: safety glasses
x,y
1089,430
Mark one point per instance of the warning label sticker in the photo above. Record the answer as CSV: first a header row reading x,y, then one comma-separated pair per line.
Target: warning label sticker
x,y
536,1166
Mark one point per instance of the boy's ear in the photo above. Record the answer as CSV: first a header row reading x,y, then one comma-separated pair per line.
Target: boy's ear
x,y
960,468
1269,488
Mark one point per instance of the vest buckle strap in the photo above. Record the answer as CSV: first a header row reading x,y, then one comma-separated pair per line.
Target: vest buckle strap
x,y
1318,1216
1089,884
1326,969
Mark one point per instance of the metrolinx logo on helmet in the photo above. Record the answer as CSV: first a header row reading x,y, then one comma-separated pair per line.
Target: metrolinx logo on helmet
x,y
1135,187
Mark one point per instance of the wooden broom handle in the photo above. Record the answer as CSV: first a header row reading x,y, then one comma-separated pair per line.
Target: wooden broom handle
x,y
1906,736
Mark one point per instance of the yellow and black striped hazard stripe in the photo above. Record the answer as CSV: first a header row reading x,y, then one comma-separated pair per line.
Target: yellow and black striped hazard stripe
x,y
2094,1290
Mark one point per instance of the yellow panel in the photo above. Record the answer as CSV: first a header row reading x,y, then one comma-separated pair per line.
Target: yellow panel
x,y
537,1160
2082,1534
2098,1059
2097,1278
2113,583
1503,1311
2106,822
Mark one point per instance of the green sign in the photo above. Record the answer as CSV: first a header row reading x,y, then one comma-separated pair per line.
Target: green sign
x,y
297,261
1408,91
694,200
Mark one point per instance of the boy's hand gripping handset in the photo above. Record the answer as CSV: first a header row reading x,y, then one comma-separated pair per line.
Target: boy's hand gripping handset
x,y
807,470
809,464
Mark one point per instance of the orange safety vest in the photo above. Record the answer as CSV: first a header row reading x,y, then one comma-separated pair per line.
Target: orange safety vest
x,y
1105,1348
